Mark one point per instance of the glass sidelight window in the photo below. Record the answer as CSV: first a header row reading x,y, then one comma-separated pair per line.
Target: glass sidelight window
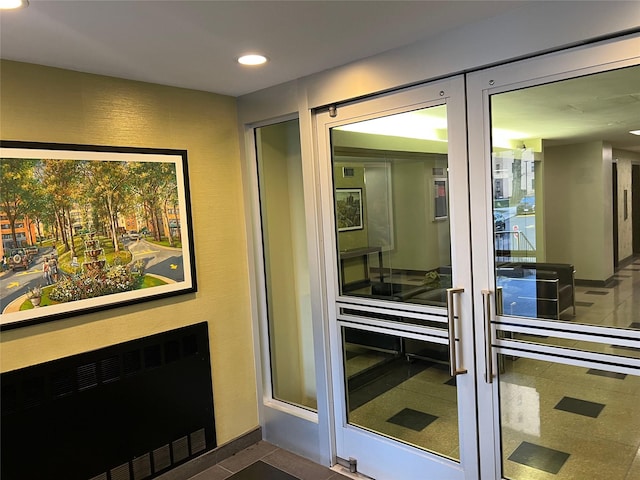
x,y
392,207
286,268
562,187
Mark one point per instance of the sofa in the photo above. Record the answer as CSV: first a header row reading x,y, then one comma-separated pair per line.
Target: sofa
x,y
536,289
432,291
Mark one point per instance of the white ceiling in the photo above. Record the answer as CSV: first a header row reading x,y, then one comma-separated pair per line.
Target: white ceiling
x,y
194,44
605,106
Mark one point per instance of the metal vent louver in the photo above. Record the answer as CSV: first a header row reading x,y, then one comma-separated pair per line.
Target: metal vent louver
x,y
125,410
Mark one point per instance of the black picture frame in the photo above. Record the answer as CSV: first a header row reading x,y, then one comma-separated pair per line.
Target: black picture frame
x,y
440,199
112,224
349,209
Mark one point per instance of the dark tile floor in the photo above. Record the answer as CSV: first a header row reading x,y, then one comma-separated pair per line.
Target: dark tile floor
x,y
542,458
264,461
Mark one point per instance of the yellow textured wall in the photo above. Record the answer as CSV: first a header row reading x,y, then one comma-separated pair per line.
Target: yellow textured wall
x,y
52,105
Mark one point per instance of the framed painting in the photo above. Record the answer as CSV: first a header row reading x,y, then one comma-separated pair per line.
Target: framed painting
x,y
440,195
349,209
85,228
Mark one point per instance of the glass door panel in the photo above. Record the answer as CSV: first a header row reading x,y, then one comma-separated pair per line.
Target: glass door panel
x,y
398,268
390,176
402,388
553,200
566,422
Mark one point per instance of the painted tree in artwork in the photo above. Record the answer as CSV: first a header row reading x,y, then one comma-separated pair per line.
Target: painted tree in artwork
x,y
61,183
155,187
18,190
169,199
107,184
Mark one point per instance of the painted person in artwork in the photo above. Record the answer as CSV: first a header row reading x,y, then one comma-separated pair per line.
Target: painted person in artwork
x,y
46,271
53,269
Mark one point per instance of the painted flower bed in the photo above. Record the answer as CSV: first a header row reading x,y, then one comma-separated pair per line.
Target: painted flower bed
x,y
113,279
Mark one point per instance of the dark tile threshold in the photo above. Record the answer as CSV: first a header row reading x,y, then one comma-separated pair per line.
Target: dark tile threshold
x,y
213,457
261,471
242,460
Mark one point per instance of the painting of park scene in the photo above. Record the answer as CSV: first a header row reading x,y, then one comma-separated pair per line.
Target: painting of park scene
x,y
87,228
349,209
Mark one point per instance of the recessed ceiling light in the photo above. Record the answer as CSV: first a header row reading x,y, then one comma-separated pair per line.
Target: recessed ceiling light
x,y
635,132
13,4
252,59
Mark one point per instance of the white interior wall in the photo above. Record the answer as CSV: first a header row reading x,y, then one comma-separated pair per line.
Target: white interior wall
x,y
578,209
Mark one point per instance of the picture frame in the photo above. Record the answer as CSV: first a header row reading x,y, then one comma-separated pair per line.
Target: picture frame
x,y
87,228
349,214
440,199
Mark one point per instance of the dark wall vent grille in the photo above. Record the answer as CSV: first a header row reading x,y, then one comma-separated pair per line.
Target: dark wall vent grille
x,y
180,449
120,473
141,467
110,369
126,412
161,458
87,376
62,383
198,441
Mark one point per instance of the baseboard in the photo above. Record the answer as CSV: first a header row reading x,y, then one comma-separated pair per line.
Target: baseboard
x,y
627,261
213,457
611,280
595,283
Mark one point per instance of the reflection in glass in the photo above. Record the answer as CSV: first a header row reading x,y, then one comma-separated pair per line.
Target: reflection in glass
x,y
562,158
401,388
286,267
391,204
565,422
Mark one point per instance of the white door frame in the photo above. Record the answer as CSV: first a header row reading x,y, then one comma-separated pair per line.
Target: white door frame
x,y
403,461
585,60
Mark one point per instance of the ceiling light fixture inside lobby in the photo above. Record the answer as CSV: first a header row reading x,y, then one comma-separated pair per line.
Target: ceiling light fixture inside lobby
x,y
13,4
252,59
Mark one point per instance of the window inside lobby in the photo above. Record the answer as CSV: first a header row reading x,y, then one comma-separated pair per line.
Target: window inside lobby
x,y
563,189
286,269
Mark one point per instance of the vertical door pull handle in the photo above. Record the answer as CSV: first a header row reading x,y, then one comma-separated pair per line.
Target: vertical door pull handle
x,y
453,362
486,294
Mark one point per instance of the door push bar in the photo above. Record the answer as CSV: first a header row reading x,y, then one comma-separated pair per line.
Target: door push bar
x,y
486,294
453,362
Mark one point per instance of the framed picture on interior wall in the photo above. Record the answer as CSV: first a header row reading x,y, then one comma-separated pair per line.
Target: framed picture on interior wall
x,y
349,209
440,206
86,228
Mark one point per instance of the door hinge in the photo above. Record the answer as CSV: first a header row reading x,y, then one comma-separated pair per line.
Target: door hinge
x,y
351,464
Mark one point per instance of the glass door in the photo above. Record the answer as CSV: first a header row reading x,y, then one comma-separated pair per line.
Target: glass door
x,y
557,285
397,252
